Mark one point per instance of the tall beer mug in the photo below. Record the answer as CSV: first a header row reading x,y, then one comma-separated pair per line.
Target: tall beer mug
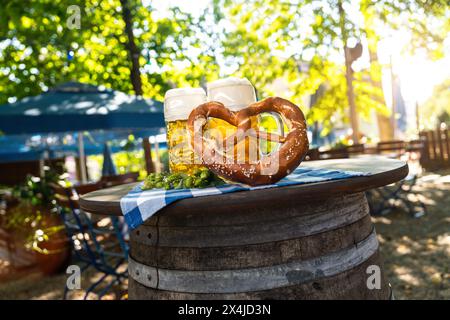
x,y
236,94
178,104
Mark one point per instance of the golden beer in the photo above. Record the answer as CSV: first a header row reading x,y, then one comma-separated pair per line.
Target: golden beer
x,y
178,104
235,94
245,151
181,155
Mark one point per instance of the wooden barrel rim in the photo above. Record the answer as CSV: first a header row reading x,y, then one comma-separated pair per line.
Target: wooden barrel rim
x,y
381,172
254,279
214,216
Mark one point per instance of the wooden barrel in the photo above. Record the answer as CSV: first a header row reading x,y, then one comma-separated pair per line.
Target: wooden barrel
x,y
318,249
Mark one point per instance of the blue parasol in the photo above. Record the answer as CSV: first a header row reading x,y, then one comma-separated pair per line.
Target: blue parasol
x,y
108,168
76,106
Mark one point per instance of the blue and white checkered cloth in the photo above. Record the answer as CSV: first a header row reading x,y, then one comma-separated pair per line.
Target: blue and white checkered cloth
x,y
139,205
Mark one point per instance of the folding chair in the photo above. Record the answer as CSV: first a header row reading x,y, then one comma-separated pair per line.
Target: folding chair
x,y
342,152
383,200
94,245
109,181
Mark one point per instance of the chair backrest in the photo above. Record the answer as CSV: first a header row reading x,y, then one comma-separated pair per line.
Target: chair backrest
x,y
335,153
391,146
75,221
415,146
342,152
68,197
312,154
109,181
84,233
5,242
436,150
356,149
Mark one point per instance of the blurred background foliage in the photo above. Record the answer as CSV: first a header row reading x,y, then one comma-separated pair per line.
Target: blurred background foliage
x,y
303,43
131,161
437,109
38,50
298,43
130,158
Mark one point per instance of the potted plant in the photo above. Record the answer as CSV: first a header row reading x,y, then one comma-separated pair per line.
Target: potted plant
x,y
37,225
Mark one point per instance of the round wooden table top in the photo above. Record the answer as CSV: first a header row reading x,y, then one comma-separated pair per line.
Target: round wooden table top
x,y
382,171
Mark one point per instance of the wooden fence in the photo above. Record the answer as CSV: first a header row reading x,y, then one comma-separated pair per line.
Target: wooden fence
x,y
436,149
433,147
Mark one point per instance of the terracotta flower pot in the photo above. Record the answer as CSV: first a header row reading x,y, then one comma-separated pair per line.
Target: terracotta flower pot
x,y
53,248
41,241
57,260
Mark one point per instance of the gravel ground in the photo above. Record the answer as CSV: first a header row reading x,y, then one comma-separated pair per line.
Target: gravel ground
x,y
416,253
32,285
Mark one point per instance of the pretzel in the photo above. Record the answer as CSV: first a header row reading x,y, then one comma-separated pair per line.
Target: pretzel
x,y
268,169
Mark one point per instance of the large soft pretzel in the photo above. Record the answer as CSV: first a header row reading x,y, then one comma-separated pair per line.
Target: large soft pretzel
x,y
267,169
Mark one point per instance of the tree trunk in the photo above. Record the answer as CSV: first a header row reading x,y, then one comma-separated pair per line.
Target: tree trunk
x,y
135,73
349,77
385,130
149,165
384,122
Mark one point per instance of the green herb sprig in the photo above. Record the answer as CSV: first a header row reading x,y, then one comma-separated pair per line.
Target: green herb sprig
x,y
200,178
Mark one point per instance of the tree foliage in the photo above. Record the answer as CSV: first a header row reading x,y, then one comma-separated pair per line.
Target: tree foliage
x,y
427,22
39,50
299,43
302,42
437,108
